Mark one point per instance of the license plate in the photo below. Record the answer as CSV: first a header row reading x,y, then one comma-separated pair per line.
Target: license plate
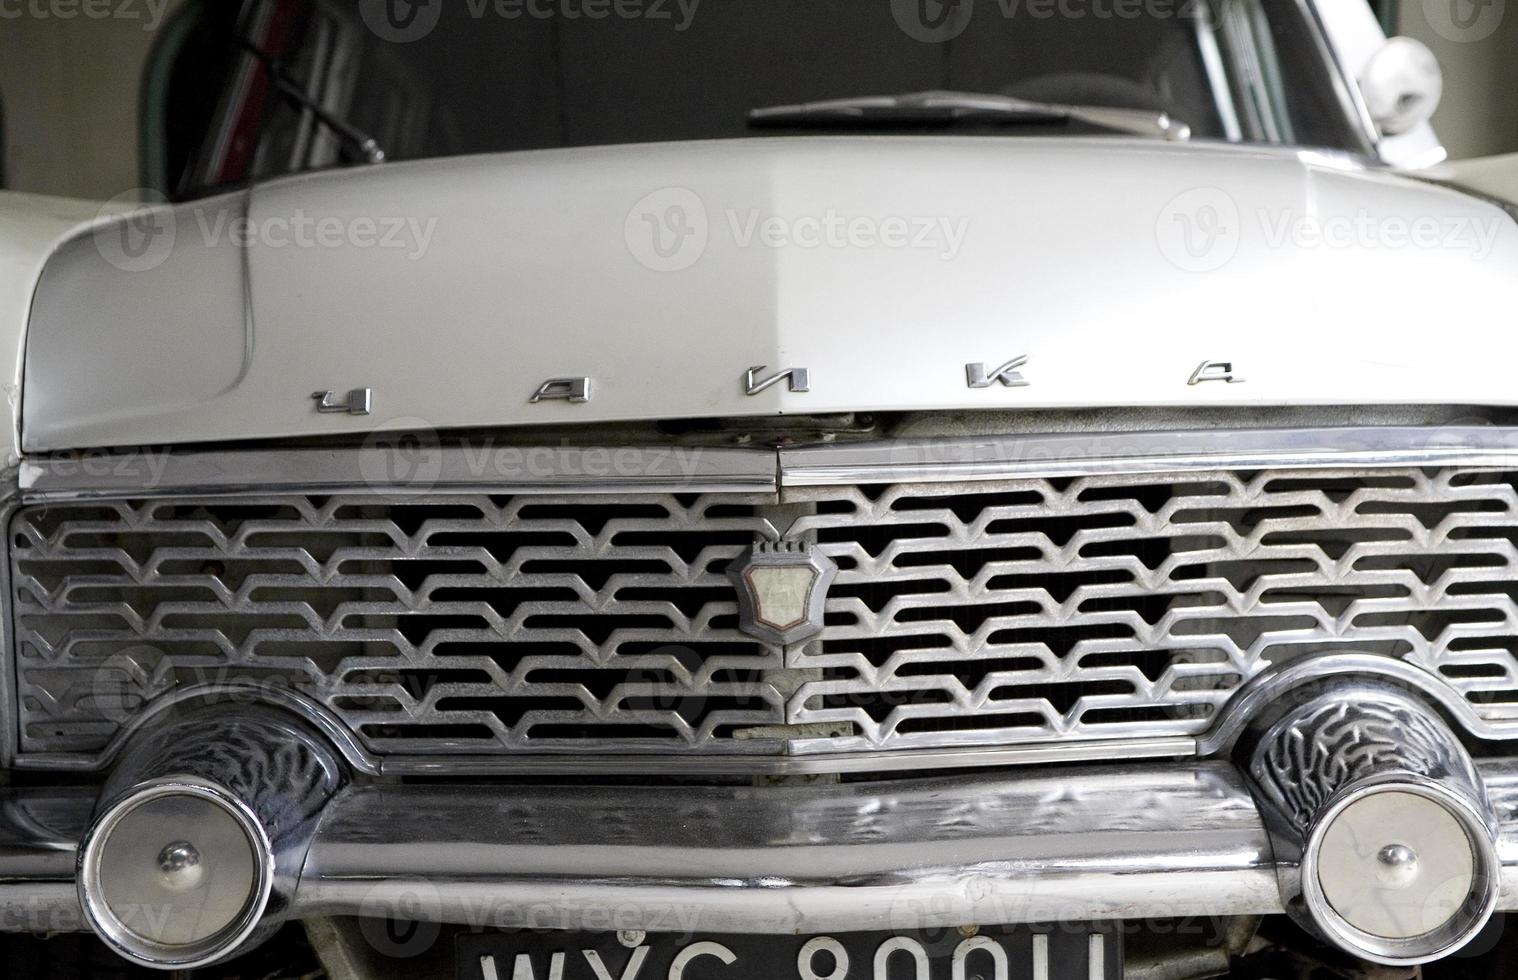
x,y
997,953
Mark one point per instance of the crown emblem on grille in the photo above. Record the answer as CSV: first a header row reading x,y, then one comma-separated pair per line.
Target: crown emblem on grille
x,y
782,588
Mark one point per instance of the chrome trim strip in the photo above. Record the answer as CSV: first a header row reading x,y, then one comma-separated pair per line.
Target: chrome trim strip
x,y
1346,85
842,763
421,467
493,468
1217,75
10,721
1096,454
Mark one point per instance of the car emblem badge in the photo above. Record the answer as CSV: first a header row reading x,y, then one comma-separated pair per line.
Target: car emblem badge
x,y
782,589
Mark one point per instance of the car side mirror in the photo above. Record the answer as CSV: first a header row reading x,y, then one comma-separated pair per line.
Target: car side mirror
x,y
1401,85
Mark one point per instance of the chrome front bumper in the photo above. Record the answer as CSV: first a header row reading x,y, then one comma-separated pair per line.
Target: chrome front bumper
x,y
1134,842
1082,844
1333,791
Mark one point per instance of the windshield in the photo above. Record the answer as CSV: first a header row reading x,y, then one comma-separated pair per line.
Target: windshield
x,y
306,83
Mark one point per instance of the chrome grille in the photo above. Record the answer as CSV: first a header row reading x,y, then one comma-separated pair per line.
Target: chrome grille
x,y
1010,612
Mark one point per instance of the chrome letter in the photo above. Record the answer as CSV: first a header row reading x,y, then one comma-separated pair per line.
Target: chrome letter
x,y
576,391
980,377
798,379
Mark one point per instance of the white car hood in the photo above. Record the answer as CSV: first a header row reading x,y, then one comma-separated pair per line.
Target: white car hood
x,y
454,289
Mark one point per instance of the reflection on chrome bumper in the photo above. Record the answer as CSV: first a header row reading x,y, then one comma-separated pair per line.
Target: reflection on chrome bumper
x,y
1060,844
1097,843
1093,843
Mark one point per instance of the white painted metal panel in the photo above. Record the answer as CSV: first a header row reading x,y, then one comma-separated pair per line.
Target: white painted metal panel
x,y
1117,266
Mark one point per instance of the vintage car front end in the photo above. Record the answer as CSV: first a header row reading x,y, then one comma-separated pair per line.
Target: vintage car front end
x,y
828,555
790,592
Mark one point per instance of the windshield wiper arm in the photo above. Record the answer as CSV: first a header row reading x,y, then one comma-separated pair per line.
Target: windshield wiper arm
x,y
951,107
355,140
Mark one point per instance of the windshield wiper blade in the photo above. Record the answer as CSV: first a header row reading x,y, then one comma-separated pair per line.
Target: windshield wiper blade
x,y
951,107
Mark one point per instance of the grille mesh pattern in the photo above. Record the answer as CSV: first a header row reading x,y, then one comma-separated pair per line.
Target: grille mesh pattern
x,y
1027,611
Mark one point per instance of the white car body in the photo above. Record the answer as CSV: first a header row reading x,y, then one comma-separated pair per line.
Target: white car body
x,y
1180,485
881,266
